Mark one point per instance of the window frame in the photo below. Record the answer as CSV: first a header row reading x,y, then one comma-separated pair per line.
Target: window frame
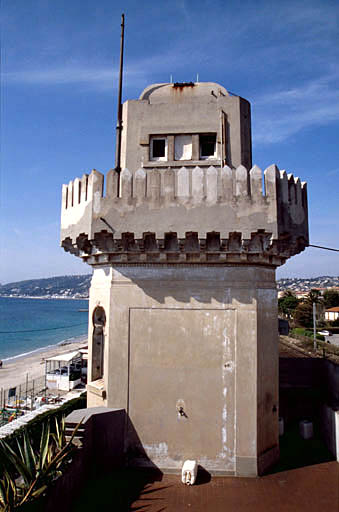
x,y
158,158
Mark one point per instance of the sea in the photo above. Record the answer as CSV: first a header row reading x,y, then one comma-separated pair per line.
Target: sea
x,y
29,325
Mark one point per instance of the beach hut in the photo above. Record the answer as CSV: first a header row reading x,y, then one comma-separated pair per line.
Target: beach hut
x,y
63,372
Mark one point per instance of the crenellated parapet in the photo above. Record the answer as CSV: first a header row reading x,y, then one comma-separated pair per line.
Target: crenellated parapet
x,y
199,215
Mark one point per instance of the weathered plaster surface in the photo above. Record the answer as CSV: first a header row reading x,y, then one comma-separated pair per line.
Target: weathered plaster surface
x,y
189,334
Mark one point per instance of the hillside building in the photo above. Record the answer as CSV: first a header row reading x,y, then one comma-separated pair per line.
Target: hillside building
x,y
332,314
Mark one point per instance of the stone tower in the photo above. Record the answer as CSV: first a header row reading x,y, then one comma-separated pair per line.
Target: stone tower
x,y
183,308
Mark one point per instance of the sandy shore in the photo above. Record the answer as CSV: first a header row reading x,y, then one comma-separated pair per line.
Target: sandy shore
x,y
14,371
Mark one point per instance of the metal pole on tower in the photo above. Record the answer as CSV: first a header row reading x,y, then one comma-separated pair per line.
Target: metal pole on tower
x,y
119,117
314,328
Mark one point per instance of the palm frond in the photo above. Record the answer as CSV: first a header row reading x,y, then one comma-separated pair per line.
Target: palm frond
x,y
44,446
12,459
30,460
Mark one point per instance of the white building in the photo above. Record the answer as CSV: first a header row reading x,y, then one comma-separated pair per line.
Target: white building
x,y
63,372
332,314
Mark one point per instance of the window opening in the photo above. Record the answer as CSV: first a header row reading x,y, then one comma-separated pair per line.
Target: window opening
x,y
207,145
158,149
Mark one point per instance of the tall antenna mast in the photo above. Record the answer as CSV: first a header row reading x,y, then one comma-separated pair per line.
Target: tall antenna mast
x,y
119,120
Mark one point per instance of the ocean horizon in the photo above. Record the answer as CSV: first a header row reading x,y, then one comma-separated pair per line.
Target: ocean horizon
x,y
28,325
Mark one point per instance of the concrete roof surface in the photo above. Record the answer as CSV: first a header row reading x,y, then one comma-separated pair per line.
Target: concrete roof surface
x,y
311,489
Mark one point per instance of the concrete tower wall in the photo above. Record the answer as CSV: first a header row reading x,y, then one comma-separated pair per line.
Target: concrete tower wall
x,y
183,306
187,336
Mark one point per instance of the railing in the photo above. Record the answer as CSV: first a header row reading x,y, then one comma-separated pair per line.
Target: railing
x,y
24,397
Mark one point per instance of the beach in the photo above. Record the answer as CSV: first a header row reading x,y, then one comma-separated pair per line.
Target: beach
x,y
14,370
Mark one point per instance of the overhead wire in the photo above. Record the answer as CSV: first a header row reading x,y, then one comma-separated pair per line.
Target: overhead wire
x,y
322,247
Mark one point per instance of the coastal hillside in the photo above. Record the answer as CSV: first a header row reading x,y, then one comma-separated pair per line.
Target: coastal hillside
x,y
304,285
75,287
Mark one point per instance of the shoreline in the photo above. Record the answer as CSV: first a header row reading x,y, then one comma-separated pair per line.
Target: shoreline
x,y
63,343
42,297
31,365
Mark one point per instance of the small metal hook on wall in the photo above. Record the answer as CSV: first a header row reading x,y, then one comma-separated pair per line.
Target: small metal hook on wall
x,y
180,408
181,412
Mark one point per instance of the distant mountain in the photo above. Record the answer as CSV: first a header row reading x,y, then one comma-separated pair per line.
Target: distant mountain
x,y
76,287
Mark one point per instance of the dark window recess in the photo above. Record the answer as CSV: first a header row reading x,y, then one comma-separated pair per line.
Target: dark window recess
x,y
207,145
158,148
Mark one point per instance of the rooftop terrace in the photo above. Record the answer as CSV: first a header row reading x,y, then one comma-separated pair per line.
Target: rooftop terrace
x,y
313,488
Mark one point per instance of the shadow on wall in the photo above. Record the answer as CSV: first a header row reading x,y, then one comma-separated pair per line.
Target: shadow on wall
x,y
203,285
97,478
118,489
308,390
307,373
296,452
135,455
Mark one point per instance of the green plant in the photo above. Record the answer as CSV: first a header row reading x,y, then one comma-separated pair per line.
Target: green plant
x,y
34,427
287,304
298,330
301,331
28,472
8,492
303,314
331,298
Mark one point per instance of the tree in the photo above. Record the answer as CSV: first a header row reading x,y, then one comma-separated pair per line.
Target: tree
x,y
331,298
304,314
304,311
287,304
314,296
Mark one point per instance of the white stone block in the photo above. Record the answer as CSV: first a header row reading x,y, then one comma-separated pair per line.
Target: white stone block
x,y
211,185
197,184
183,184
256,182
189,472
241,180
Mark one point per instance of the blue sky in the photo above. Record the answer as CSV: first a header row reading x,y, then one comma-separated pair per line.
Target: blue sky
x,y
58,103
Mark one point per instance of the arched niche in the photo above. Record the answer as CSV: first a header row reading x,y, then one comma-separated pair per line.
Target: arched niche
x,y
98,342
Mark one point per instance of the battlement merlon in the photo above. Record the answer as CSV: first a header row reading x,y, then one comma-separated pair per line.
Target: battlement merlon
x,y
222,212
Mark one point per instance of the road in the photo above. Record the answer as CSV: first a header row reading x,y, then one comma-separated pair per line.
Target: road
x,y
334,339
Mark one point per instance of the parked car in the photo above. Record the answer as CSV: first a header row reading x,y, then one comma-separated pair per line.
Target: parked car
x,y
325,333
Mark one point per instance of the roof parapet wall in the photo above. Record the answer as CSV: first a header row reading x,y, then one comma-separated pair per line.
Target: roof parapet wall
x,y
181,210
